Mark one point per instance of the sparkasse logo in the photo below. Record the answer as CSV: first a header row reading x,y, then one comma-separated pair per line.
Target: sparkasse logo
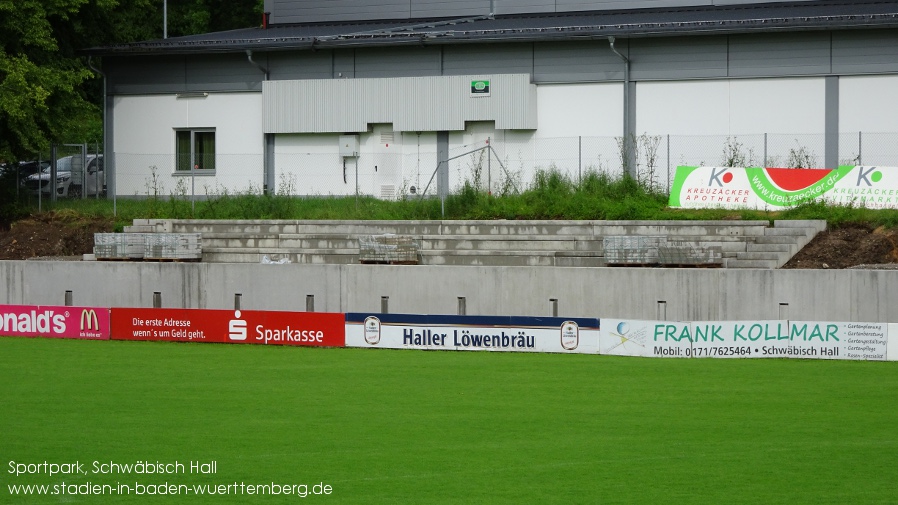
x,y
237,327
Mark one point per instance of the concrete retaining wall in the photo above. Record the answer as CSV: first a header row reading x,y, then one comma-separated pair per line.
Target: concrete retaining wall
x,y
626,293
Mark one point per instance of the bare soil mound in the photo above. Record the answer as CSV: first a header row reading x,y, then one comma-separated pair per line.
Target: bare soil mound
x,y
848,247
52,234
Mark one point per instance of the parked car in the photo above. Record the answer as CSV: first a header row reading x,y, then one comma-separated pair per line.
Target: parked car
x,y
25,168
73,177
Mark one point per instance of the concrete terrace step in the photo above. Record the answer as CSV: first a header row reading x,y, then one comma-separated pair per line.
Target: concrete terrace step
x,y
439,227
748,263
493,258
673,229
775,248
527,228
511,242
250,256
450,243
774,256
743,244
774,239
790,232
816,224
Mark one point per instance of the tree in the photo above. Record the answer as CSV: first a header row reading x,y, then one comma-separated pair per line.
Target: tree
x,y
189,17
47,92
40,90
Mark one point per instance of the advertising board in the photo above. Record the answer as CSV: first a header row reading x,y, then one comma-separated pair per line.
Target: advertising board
x,y
777,188
472,333
620,337
834,340
87,323
745,339
229,326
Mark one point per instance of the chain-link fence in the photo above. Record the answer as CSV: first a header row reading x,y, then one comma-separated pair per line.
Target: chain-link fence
x,y
154,175
78,172
500,167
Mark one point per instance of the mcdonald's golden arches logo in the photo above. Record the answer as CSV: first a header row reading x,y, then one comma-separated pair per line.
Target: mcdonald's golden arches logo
x,y
89,320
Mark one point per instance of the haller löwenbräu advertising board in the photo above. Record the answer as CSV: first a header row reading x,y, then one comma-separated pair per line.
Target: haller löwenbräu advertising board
x,y
472,333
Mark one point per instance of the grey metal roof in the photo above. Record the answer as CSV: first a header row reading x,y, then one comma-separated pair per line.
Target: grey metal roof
x,y
701,20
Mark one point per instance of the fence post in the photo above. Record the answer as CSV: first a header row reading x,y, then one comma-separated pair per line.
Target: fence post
x,y
237,300
859,148
580,160
384,304
462,306
765,150
68,298
157,299
662,310
668,163
553,303
310,303
489,169
52,182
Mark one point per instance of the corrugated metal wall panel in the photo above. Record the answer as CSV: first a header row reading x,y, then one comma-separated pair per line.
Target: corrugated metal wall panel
x,y
577,61
865,51
523,6
145,75
736,2
494,59
428,104
397,62
587,5
301,65
223,72
410,104
775,54
310,11
449,8
678,58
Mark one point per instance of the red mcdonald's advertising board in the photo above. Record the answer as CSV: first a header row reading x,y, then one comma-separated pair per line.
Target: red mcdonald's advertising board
x,y
229,326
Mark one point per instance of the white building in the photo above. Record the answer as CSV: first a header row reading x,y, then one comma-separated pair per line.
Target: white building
x,y
367,95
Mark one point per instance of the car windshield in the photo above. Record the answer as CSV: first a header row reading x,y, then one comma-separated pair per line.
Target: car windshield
x,y
62,165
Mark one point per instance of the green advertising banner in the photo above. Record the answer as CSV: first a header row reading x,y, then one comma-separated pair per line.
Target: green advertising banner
x,y
777,188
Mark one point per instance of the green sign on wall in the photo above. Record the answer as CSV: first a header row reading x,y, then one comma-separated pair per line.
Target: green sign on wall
x,y
480,88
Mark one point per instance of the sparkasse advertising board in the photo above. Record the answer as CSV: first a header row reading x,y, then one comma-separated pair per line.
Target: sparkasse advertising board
x,y
87,323
472,333
319,329
777,188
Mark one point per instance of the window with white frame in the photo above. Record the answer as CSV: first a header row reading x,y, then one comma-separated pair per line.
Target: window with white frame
x,y
195,150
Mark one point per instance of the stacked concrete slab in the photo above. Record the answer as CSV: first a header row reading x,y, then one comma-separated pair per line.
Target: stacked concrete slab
x,y
742,244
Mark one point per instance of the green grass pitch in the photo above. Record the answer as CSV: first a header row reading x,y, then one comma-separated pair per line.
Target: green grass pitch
x,y
390,427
